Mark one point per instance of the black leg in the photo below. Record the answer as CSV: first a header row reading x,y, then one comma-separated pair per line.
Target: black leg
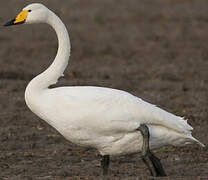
x,y
155,167
105,161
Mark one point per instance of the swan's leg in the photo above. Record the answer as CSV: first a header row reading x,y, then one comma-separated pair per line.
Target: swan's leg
x,y
155,167
105,161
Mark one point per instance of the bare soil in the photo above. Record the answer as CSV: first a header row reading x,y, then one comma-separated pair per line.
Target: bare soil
x,y
157,50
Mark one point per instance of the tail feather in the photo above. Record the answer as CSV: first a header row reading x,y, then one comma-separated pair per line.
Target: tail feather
x,y
195,140
172,121
167,126
183,124
160,136
188,132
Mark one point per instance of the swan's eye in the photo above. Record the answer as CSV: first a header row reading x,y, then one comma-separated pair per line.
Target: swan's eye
x,y
29,10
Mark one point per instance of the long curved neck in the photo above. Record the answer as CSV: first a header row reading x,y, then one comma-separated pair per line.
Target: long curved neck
x,y
56,69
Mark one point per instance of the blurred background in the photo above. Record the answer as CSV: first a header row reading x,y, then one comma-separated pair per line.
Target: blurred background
x,y
157,50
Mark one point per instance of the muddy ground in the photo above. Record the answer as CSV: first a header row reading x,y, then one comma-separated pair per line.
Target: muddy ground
x,y
157,50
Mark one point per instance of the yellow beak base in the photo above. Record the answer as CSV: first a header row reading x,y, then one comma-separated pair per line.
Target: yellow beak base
x,y
20,19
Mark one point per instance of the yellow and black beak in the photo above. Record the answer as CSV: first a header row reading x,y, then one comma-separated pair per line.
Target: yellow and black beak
x,y
20,19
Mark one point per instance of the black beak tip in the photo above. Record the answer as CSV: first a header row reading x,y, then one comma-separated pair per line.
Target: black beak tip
x,y
10,23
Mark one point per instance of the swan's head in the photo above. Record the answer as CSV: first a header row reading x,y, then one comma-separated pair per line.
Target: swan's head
x,y
33,13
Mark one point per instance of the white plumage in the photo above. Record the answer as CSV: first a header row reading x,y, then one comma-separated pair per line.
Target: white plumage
x,y
98,117
107,119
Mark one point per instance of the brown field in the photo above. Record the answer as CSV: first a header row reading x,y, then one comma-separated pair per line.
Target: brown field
x,y
157,50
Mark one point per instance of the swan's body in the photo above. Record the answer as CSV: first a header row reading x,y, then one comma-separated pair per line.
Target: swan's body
x,y
104,118
107,119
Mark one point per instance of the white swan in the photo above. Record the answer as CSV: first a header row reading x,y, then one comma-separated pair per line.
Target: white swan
x,y
112,121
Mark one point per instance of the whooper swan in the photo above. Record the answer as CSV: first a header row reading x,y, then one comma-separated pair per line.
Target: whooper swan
x,y
112,121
